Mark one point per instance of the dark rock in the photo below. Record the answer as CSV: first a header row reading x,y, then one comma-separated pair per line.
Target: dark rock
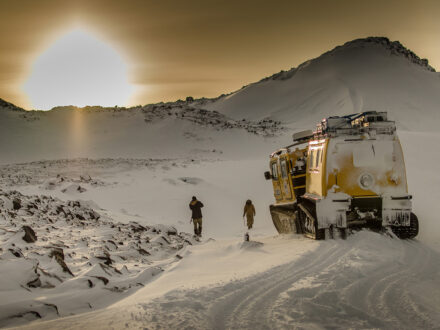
x,y
58,254
24,315
74,204
32,206
144,252
94,215
16,203
166,239
136,228
102,278
60,209
53,306
29,235
112,242
107,260
172,231
35,283
16,253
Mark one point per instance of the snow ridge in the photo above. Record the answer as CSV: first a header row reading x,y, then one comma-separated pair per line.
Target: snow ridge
x,y
394,48
9,106
180,110
202,117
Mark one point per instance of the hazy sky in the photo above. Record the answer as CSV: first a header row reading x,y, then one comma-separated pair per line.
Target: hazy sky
x,y
174,49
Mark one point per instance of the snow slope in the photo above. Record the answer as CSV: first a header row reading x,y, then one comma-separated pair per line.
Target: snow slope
x,y
364,74
164,130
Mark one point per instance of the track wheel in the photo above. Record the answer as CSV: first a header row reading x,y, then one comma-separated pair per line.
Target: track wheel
x,y
408,232
343,233
413,226
310,224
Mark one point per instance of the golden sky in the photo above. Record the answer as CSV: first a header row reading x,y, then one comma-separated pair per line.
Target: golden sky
x,y
174,49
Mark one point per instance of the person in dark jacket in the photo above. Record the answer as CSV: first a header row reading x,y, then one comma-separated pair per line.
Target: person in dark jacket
x,y
196,217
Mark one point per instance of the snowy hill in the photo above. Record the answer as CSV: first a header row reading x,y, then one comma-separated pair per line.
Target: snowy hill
x,y
364,74
70,132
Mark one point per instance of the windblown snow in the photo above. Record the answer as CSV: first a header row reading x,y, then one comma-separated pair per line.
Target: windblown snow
x,y
94,210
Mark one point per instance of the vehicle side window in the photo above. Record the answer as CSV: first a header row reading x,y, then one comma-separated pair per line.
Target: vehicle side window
x,y
283,168
311,160
317,158
274,171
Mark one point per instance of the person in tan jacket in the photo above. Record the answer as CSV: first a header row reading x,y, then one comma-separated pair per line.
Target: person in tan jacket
x,y
249,212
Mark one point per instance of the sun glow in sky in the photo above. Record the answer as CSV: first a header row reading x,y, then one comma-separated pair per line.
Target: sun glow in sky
x,y
176,49
79,70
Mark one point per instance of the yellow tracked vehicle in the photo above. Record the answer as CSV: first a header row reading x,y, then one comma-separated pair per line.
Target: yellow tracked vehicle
x,y
348,173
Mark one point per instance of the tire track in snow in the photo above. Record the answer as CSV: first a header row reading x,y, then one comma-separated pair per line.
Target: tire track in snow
x,y
379,291
253,309
367,281
390,297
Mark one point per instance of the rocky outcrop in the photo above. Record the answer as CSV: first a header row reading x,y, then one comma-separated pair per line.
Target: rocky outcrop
x,y
77,250
212,119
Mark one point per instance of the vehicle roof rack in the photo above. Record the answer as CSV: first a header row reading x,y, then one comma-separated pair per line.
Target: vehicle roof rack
x,y
356,123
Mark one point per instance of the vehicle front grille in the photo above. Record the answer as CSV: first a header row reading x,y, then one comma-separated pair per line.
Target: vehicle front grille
x,y
368,204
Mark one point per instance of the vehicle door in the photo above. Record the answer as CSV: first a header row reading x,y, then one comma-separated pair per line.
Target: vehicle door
x,y
276,179
284,178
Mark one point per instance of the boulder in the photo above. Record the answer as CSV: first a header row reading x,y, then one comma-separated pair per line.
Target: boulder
x,y
16,203
29,235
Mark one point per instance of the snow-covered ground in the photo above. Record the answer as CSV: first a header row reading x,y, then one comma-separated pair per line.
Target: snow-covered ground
x,y
368,281
135,171
271,282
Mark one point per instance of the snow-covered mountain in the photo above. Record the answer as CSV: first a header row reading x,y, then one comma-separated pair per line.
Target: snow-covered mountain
x,y
364,74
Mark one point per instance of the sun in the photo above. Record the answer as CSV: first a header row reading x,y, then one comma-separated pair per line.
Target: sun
x,y
79,70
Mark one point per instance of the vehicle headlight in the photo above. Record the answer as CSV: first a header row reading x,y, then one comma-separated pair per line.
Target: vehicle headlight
x,y
366,181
